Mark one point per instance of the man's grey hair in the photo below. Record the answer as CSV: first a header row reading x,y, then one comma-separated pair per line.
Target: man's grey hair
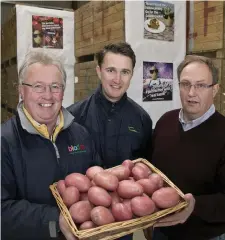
x,y
40,57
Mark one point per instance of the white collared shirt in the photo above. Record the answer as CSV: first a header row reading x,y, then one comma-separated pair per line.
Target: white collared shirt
x,y
196,122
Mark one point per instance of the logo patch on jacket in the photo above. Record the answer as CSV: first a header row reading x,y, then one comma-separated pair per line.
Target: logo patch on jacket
x,y
132,129
79,148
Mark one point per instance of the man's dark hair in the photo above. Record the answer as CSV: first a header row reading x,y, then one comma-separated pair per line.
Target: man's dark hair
x,y
201,59
122,48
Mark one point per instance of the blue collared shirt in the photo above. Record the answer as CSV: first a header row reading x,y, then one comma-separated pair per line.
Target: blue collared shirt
x,y
196,122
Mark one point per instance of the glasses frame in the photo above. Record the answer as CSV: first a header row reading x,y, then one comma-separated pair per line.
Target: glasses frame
x,y
32,86
206,86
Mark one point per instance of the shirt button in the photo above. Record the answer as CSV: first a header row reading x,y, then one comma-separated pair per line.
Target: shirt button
x,y
109,120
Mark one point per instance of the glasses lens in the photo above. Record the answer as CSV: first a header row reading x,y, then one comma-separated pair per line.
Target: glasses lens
x,y
56,88
39,88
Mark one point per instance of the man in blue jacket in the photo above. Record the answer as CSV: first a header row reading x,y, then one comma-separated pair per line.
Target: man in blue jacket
x,y
120,127
36,151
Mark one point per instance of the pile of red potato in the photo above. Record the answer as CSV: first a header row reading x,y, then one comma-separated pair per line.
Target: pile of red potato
x,y
122,193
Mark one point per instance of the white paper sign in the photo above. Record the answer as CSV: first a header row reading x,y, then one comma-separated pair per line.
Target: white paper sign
x,y
53,30
157,34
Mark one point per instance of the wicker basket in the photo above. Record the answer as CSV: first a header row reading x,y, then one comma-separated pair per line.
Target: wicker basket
x,y
119,229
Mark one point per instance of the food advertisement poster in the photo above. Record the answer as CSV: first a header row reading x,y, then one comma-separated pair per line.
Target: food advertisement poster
x,y
159,20
47,32
157,81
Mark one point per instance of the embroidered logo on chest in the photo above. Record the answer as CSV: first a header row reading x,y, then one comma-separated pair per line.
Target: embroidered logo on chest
x,y
79,148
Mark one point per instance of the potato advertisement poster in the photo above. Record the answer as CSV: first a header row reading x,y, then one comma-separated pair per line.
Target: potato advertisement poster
x,y
157,81
47,32
159,20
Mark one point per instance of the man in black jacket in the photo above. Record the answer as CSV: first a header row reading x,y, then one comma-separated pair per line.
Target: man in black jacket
x,y
36,151
120,127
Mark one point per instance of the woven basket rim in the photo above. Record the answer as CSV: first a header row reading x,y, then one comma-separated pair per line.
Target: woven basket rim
x,y
125,227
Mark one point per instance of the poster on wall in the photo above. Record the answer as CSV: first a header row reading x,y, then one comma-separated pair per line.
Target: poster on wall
x,y
47,32
157,81
159,20
51,31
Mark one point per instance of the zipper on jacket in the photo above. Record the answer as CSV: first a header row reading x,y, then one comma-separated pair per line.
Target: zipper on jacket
x,y
56,151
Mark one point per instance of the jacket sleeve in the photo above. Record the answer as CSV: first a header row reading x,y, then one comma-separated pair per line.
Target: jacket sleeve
x,y
96,160
20,218
147,141
211,208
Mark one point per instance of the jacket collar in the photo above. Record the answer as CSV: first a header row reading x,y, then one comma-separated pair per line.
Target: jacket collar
x,y
101,99
26,124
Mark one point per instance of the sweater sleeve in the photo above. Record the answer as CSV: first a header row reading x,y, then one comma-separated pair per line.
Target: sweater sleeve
x,y
20,218
211,207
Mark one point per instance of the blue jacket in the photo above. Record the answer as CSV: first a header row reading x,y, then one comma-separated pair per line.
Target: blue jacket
x,y
30,163
121,130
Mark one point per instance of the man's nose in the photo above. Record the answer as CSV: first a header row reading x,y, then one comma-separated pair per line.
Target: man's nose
x,y
117,77
192,91
47,93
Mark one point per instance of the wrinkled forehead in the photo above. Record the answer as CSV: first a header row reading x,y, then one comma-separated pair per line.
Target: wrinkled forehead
x,y
196,72
39,72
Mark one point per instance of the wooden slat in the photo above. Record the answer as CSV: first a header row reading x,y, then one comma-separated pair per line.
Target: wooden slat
x,y
212,28
207,46
199,5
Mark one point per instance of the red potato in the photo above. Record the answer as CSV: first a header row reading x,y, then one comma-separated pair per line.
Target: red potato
x,y
129,189
87,225
78,180
127,202
139,173
106,180
142,206
144,166
121,172
121,212
93,183
149,186
61,187
166,197
157,180
99,196
92,171
70,196
101,216
81,211
128,163
83,196
115,197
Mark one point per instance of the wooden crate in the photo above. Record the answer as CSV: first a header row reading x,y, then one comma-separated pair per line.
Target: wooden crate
x,y
87,81
206,37
9,86
205,25
8,37
97,23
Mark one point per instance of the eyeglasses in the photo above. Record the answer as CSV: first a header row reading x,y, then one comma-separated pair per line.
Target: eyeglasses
x,y
197,86
40,88
154,70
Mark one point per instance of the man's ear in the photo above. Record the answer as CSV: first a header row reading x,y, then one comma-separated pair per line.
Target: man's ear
x,y
21,91
98,70
216,88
